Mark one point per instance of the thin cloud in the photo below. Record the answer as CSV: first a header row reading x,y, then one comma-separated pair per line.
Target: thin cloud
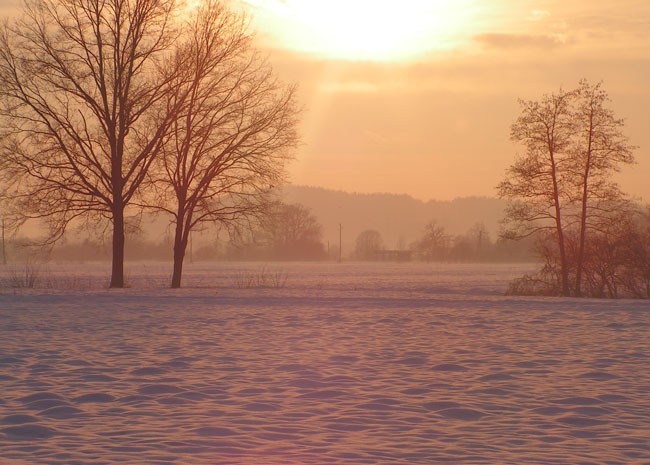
x,y
519,41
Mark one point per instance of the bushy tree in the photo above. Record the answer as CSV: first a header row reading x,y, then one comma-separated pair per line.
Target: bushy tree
x,y
635,241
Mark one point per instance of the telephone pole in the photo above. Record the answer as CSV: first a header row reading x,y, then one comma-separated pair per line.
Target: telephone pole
x,y
340,242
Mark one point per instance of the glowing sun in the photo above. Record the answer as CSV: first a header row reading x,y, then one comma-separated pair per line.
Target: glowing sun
x,y
379,30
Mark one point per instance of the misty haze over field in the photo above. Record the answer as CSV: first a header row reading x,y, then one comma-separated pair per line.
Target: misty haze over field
x,y
399,218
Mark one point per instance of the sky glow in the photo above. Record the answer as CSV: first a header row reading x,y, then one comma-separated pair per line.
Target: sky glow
x,y
417,96
366,29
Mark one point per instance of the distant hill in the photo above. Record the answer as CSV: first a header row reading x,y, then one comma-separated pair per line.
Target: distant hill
x,y
399,218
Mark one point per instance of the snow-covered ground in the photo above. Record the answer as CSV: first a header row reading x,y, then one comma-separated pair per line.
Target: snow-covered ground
x,y
317,364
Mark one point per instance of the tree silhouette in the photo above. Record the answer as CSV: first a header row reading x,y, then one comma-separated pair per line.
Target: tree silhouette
x,y
80,116
291,231
234,131
600,148
368,244
434,243
535,181
562,187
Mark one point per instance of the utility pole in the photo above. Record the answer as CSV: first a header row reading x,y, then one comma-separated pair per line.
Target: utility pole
x,y
340,242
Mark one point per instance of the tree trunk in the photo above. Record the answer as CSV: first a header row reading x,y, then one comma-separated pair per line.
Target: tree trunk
x,y
566,288
583,213
180,245
583,239
564,267
179,256
117,273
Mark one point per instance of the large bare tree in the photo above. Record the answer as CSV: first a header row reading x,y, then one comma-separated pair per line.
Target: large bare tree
x,y
78,90
535,180
229,142
600,149
563,183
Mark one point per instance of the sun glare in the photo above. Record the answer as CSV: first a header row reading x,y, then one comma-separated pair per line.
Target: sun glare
x,y
189,6
378,30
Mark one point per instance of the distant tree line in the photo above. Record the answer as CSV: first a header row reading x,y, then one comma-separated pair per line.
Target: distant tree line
x,y
437,245
293,232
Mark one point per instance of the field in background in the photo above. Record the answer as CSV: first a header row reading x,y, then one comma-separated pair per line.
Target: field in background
x,y
488,279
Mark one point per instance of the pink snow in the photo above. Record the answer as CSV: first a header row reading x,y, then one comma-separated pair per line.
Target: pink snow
x,y
317,364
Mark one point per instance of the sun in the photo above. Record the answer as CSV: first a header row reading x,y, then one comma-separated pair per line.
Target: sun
x,y
376,30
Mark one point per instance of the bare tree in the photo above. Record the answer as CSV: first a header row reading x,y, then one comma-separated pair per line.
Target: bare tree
x,y
233,134
291,231
435,242
564,182
534,182
599,150
480,238
77,97
368,244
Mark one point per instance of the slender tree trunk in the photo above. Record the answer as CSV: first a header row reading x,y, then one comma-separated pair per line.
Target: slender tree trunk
x,y
564,268
583,236
180,246
117,274
117,210
583,213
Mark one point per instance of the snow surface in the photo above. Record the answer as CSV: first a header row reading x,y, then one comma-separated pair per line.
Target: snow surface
x,y
328,364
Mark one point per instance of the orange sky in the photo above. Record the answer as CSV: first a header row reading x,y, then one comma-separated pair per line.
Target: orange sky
x,y
434,121
419,98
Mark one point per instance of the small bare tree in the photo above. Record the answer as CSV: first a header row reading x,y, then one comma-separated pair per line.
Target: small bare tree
x,y
291,231
434,243
368,244
78,90
233,134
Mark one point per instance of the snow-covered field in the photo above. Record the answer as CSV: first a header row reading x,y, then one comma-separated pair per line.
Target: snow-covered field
x,y
317,364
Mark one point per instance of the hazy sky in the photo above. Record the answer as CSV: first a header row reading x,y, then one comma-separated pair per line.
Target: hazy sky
x,y
417,96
